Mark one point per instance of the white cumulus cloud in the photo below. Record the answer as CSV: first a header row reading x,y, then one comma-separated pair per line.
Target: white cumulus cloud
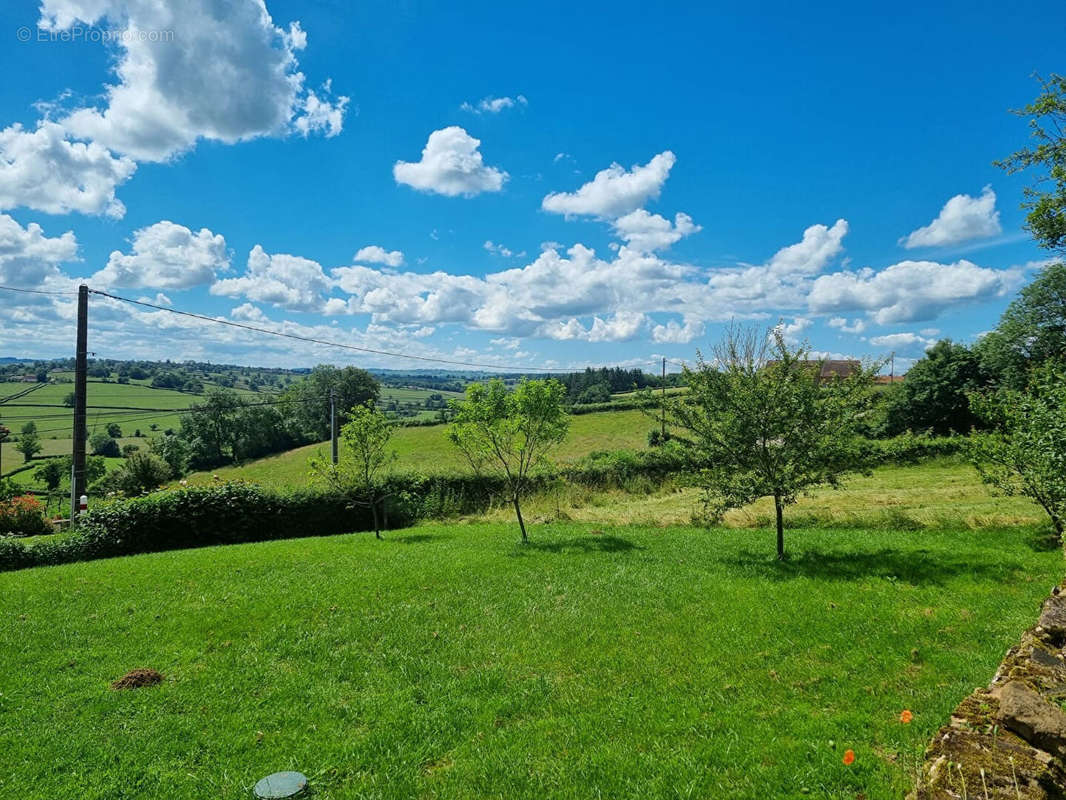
x,y
961,219
28,258
283,280
614,191
41,169
375,254
910,290
451,165
166,256
225,72
647,232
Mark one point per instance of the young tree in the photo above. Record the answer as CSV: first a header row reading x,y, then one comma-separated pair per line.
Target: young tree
x,y
366,459
509,433
760,422
935,396
103,445
29,444
1047,123
1025,454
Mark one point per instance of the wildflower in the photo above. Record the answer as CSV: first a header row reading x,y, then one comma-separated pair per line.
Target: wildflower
x,y
906,717
849,757
184,482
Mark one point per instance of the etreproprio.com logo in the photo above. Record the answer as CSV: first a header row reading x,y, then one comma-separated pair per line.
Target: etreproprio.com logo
x,y
91,35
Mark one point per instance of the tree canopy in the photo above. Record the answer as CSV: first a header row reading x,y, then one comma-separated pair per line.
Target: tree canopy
x,y
759,421
510,433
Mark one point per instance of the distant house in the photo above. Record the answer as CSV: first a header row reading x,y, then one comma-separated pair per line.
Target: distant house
x,y
888,379
831,367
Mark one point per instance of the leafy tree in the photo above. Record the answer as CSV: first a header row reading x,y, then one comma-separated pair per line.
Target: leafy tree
x,y
935,395
1026,452
509,433
366,458
309,410
69,400
1047,123
29,443
103,445
597,393
50,473
141,472
114,430
761,423
1031,331
209,428
174,450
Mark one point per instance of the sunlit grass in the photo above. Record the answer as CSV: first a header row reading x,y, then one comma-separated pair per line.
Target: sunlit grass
x,y
450,662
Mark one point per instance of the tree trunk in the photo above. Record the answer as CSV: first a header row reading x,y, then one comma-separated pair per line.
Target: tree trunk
x,y
521,522
780,527
374,511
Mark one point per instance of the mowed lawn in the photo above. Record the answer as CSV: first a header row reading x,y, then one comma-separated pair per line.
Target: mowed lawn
x,y
450,662
426,449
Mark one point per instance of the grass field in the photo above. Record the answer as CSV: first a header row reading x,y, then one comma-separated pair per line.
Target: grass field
x,y
427,449
450,662
943,493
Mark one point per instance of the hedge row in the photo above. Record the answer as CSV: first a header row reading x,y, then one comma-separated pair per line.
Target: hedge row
x,y
232,513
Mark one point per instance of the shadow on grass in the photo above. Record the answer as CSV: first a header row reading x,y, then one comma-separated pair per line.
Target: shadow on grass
x,y
578,544
916,567
420,538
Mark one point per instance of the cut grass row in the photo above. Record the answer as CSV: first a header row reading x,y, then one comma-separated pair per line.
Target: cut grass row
x,y
448,662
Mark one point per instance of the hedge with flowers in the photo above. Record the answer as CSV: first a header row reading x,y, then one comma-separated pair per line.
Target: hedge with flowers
x,y
23,515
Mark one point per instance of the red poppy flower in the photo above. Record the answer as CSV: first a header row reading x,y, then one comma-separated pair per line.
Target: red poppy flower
x,y
849,756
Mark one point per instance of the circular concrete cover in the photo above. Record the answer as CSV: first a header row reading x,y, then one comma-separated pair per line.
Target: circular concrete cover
x,y
281,785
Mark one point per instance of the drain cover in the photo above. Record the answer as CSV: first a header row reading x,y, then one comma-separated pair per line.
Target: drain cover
x,y
281,785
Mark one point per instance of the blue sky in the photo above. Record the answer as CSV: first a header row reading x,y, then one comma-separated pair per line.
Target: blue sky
x,y
600,184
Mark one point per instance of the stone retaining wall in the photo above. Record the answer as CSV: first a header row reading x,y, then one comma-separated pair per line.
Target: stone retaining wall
x,y
1009,740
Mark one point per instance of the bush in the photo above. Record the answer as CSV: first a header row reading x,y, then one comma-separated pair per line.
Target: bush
x,y
23,516
104,445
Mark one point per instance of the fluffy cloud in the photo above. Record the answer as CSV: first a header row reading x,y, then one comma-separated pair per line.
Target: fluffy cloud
x,y
451,165
961,219
40,169
198,70
246,312
622,327
614,191
792,331
225,73
283,280
28,258
842,325
907,342
647,232
910,290
674,333
494,105
374,254
166,256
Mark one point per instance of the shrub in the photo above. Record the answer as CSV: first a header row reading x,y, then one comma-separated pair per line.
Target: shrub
x,y
104,445
23,516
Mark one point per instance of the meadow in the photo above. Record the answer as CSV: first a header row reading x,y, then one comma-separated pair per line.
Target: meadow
x,y
449,662
426,449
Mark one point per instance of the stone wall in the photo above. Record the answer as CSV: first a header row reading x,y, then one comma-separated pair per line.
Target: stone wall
x,y
1009,739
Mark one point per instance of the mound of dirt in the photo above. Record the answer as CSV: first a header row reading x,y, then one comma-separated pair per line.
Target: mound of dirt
x,y
138,678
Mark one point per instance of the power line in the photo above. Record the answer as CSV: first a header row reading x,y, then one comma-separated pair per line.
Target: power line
x,y
36,291
313,340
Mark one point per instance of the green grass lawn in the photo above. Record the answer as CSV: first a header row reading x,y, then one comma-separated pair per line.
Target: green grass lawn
x,y
427,449
450,662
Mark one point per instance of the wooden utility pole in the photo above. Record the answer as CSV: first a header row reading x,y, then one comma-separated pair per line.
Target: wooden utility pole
x,y
662,412
333,425
81,367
